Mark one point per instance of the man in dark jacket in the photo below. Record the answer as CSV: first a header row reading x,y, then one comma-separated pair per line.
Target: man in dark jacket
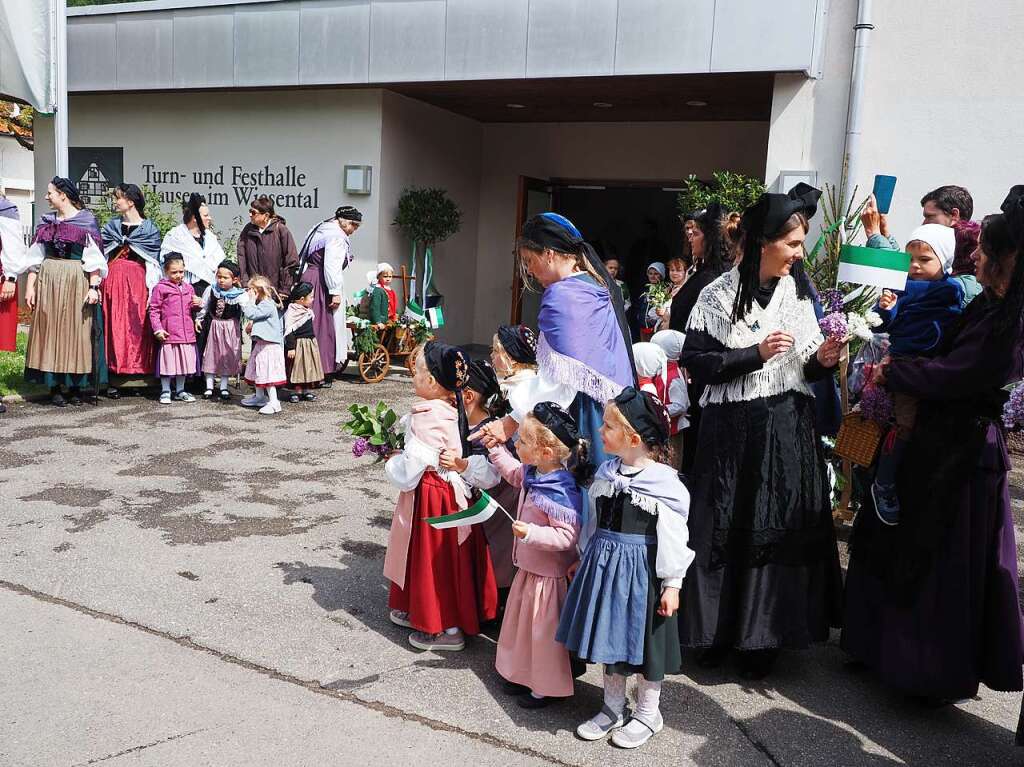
x,y
266,247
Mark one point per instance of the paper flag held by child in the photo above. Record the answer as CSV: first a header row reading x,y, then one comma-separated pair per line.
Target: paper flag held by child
x,y
482,510
873,266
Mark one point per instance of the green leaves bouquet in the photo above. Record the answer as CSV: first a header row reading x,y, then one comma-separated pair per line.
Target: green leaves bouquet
x,y
376,430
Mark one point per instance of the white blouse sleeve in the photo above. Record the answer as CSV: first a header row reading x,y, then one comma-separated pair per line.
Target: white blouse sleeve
x,y
679,398
93,259
336,258
533,391
405,469
674,553
480,473
16,258
201,316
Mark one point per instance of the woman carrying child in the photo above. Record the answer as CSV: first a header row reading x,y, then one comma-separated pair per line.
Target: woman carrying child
x,y
265,369
442,584
171,307
533,665
220,329
621,606
305,367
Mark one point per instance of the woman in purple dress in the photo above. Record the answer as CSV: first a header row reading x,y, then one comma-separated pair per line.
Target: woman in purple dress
x,y
325,255
932,604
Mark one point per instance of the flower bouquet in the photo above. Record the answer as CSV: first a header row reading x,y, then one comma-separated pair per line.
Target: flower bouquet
x,y
658,294
377,430
1013,408
847,317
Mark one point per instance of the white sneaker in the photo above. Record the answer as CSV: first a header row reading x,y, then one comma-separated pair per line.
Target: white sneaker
x,y
165,398
637,732
184,396
254,400
599,726
270,408
400,618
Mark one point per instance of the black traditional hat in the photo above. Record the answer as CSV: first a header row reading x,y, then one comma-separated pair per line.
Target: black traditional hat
x,y
646,414
300,290
559,421
766,217
1013,210
349,213
520,342
68,187
449,365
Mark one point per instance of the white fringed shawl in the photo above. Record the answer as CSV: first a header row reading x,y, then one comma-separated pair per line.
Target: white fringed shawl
x,y
785,372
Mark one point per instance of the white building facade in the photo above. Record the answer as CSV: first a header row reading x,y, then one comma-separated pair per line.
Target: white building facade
x,y
598,108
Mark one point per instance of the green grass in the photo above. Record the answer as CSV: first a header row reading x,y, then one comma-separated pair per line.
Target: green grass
x,y
12,371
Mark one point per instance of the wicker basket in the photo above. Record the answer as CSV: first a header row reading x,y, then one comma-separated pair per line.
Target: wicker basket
x,y
858,439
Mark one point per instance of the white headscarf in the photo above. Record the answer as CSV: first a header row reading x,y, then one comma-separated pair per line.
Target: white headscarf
x,y
650,359
671,342
658,267
941,239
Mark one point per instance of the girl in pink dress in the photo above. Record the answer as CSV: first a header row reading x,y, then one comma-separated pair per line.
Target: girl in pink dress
x,y
536,667
171,308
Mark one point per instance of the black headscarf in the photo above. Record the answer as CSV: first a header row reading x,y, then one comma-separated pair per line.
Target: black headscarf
x,y
450,367
231,266
190,212
68,187
349,213
646,414
133,193
520,342
551,230
1013,209
558,420
484,382
766,217
300,290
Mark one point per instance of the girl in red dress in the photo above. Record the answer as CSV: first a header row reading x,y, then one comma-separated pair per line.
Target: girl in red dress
x,y
442,581
12,257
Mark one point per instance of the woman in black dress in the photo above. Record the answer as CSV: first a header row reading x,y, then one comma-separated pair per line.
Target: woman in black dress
x,y
767,570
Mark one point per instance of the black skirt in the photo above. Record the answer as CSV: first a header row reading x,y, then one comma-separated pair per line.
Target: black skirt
x,y
767,569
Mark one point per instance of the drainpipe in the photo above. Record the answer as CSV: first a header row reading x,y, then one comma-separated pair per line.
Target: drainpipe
x,y
861,43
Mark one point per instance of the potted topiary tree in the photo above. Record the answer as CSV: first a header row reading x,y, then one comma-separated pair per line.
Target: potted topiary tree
x,y
427,217
733,191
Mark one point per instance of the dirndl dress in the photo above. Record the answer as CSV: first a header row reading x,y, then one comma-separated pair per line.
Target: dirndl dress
x,y
223,353
610,614
266,364
307,367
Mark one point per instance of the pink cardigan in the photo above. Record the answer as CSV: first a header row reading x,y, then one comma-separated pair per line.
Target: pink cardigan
x,y
549,548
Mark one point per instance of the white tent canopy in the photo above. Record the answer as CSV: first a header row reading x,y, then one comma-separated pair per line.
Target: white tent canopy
x,y
25,44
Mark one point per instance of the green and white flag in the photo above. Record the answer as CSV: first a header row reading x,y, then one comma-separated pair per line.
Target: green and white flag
x,y
479,512
433,317
873,266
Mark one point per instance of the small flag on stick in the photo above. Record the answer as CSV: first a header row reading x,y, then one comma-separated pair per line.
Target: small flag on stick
x,y
873,266
480,511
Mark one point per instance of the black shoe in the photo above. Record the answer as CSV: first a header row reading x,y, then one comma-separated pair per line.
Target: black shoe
x,y
529,702
57,400
113,393
309,396
326,384
225,395
74,399
712,657
757,664
511,688
293,398
208,394
3,407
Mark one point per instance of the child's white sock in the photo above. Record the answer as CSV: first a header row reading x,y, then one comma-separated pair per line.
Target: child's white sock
x,y
223,383
179,384
648,699
165,384
615,692
209,382
271,393
452,631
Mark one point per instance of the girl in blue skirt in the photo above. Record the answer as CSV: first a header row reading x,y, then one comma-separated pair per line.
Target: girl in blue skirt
x,y
621,607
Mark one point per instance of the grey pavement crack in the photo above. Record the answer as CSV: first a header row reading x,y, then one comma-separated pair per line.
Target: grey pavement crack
x,y
135,749
386,709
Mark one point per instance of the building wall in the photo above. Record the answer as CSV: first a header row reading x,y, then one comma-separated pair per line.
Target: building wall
x,y
16,176
423,146
938,106
589,151
317,131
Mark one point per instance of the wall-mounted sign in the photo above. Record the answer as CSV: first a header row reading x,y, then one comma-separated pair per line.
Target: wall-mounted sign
x,y
358,179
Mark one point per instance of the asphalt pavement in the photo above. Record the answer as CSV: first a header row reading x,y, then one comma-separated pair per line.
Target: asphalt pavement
x,y
197,584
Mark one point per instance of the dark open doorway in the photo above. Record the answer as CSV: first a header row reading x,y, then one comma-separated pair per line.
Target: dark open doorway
x,y
636,223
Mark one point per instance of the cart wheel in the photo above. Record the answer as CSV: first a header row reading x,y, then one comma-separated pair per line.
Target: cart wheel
x,y
375,365
410,359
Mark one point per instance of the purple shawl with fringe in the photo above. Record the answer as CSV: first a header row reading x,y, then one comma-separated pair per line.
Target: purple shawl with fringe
x,y
581,343
74,230
555,493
